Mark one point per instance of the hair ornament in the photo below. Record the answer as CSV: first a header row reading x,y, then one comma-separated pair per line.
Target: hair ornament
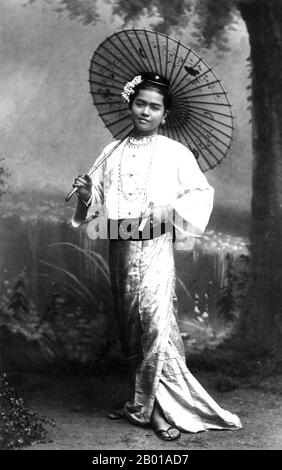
x,y
128,88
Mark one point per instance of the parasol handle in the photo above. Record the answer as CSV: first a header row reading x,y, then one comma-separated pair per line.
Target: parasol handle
x,y
95,166
70,194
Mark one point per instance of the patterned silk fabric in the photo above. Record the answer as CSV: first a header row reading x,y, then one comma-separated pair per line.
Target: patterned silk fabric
x,y
161,173
143,283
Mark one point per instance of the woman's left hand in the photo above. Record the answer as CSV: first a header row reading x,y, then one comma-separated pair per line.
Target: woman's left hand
x,y
158,213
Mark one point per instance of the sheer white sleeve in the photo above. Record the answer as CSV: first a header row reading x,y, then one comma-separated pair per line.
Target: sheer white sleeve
x,y
96,201
194,203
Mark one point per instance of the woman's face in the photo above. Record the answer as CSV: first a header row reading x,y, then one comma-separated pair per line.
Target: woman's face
x,y
147,111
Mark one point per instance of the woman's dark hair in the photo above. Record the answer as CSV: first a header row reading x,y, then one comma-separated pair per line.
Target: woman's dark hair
x,y
152,81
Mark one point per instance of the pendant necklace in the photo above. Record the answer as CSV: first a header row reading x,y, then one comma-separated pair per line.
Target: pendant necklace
x,y
135,143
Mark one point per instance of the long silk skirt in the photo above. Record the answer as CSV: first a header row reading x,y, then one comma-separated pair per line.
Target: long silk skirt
x,y
143,284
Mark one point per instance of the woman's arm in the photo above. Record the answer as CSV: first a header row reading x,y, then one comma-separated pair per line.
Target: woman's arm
x,y
90,192
194,203
83,185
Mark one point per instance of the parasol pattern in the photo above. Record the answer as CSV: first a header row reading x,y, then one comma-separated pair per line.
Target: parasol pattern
x,y
200,118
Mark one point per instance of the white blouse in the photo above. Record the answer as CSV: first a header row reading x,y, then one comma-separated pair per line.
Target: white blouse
x,y
163,172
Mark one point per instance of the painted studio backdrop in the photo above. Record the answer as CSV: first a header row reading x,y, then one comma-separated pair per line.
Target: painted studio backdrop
x,y
55,304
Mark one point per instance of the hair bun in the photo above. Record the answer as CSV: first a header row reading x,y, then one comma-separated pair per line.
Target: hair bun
x,y
154,78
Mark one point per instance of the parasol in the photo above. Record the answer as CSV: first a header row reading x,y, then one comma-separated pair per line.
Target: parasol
x,y
200,117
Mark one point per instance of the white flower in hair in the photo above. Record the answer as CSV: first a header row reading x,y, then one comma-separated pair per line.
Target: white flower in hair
x,y
128,88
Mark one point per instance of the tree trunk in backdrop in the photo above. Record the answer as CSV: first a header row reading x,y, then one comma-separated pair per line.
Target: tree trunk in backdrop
x,y
264,23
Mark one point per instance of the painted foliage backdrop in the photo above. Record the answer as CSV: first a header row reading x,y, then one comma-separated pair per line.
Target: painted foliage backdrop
x,y
55,300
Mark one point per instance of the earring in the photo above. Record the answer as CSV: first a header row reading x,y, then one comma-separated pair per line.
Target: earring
x,y
163,121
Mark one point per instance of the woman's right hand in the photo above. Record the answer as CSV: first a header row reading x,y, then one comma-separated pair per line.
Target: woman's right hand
x,y
84,186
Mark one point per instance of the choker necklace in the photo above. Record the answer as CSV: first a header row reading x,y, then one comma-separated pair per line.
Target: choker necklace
x,y
142,141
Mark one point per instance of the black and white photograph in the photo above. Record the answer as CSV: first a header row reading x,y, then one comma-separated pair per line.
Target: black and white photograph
x,y
141,226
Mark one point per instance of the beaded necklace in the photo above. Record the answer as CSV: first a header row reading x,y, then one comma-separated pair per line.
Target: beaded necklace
x,y
136,143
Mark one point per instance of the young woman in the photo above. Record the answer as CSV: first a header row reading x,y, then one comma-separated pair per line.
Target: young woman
x,y
153,194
